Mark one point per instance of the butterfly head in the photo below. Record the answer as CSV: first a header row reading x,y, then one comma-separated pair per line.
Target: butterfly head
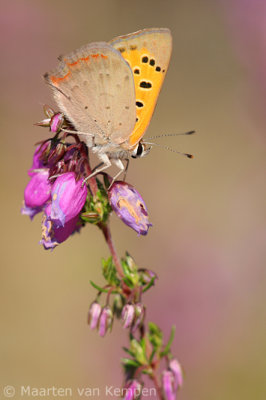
x,y
140,150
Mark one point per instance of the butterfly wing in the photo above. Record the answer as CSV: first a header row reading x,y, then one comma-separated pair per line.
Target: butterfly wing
x,y
94,87
148,53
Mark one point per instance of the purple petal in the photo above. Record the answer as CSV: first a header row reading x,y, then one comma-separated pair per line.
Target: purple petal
x,y
38,190
37,163
68,198
128,204
31,212
52,236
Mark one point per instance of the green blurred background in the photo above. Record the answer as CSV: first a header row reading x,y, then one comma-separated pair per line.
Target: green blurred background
x,y
207,243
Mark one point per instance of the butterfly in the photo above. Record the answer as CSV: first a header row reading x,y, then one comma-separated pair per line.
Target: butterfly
x,y
108,91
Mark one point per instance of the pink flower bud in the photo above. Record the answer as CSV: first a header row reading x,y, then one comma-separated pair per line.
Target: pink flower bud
x,y
139,316
56,123
168,385
105,321
94,314
175,367
128,315
132,390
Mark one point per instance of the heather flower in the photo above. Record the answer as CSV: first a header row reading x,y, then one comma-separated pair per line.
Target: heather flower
x,y
39,157
168,385
94,314
175,368
53,235
56,122
105,321
68,199
128,315
139,316
128,204
37,193
132,390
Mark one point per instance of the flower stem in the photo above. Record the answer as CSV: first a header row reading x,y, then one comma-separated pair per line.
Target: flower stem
x,y
107,235
157,386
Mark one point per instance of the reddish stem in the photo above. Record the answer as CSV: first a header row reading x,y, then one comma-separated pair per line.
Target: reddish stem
x,y
157,386
107,235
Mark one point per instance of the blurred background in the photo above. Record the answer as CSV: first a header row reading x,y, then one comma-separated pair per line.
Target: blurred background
x,y
207,243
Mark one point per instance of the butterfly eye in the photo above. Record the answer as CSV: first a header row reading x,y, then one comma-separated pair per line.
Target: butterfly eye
x,y
137,152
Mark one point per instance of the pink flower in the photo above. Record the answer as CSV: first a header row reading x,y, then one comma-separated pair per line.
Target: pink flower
x,y
37,193
129,206
68,199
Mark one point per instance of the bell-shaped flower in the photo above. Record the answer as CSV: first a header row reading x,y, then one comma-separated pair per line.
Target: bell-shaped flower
x,y
128,204
105,321
37,193
175,367
94,314
128,315
68,199
132,390
168,385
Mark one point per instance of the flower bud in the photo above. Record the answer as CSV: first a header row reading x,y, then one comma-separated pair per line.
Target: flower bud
x,y
37,162
105,321
168,385
129,206
56,122
147,275
175,368
68,198
94,314
128,315
132,390
139,316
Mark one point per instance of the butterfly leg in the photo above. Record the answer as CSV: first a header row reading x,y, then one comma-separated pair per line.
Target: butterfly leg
x,y
118,163
106,164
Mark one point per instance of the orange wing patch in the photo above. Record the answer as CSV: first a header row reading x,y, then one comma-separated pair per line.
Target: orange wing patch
x,y
148,79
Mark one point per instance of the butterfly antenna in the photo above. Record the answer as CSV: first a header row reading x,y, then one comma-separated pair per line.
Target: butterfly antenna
x,y
170,149
172,134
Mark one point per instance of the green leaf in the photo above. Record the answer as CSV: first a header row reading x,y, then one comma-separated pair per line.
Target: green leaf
x,y
130,363
109,272
149,285
138,352
155,336
167,348
102,290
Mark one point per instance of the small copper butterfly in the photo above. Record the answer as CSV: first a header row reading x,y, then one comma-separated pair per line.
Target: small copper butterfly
x,y
108,91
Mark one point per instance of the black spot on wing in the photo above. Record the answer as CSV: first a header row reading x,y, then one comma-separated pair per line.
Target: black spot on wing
x,y
139,104
145,85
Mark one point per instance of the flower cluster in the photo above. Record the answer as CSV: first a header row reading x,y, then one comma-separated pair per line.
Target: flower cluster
x,y
57,188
